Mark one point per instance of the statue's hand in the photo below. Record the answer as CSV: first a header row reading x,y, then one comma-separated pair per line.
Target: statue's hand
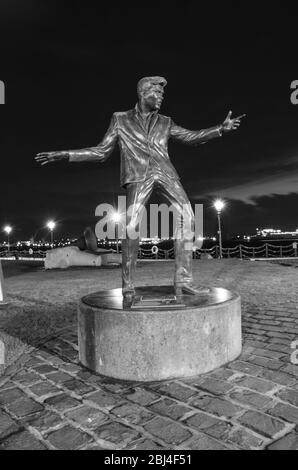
x,y
230,124
49,157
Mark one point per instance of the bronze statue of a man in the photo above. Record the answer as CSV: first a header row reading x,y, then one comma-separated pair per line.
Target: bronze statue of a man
x,y
142,135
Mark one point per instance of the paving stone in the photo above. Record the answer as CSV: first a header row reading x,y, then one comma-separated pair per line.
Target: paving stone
x,y
133,414
44,354
22,441
45,369
221,408
95,447
280,341
11,395
5,383
142,397
245,440
286,412
291,369
104,399
34,361
71,355
220,430
214,386
60,377
69,367
114,387
117,433
77,386
68,438
289,395
246,368
201,421
280,348
7,425
261,423
44,389
44,421
27,378
88,417
176,390
271,364
278,377
222,373
24,406
56,361
256,344
254,383
172,433
84,374
289,442
250,398
205,443
269,354
284,336
170,408
146,444
62,402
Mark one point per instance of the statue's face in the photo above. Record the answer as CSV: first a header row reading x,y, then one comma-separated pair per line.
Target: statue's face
x,y
153,97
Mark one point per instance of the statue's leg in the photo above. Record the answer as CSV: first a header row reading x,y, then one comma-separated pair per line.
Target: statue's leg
x,y
184,235
137,195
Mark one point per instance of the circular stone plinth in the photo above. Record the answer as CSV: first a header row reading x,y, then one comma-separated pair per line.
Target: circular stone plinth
x,y
159,338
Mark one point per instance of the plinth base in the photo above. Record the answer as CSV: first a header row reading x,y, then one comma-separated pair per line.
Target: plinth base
x,y
195,336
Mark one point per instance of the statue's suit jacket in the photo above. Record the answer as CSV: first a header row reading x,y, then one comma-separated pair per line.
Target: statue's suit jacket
x,y
139,145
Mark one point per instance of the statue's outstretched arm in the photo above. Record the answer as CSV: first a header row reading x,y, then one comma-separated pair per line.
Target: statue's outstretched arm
x,y
200,137
100,153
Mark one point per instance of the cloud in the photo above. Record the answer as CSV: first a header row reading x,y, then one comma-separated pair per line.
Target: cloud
x,y
250,192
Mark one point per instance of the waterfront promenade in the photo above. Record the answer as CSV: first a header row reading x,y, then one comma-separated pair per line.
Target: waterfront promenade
x,y
48,401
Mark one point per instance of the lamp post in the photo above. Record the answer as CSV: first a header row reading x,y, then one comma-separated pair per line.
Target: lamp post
x,y
8,231
219,206
116,217
51,226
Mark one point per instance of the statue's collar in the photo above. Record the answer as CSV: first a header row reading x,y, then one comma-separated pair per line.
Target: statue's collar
x,y
139,113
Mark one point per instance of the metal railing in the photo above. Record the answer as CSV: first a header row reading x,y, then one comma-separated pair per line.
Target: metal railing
x,y
240,251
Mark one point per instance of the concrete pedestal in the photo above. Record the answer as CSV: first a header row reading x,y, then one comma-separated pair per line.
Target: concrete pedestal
x,y
195,336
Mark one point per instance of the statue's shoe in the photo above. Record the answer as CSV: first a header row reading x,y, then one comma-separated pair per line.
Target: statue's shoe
x,y
128,298
189,288
128,292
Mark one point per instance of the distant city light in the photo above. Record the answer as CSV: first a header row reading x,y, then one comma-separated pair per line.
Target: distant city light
x,y
219,205
270,232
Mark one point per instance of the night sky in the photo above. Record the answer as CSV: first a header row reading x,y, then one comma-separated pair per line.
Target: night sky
x,y
68,65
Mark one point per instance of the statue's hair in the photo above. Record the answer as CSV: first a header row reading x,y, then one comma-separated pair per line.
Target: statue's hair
x,y
148,82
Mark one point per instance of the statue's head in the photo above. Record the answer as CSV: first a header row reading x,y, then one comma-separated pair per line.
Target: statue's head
x,y
151,90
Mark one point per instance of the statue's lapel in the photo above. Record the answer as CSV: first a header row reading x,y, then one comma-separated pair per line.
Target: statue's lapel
x,y
153,122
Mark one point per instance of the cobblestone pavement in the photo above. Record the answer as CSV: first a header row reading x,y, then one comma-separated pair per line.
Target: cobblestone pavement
x,y
48,401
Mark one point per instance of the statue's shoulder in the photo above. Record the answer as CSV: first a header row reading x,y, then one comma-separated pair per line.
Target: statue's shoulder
x,y
123,114
166,119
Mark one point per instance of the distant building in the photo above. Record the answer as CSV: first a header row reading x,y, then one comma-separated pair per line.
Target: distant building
x,y
273,233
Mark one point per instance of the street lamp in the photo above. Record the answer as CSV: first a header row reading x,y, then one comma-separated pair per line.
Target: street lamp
x,y
116,217
219,206
51,226
8,231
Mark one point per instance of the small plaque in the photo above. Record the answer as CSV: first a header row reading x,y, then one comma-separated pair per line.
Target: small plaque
x,y
143,302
